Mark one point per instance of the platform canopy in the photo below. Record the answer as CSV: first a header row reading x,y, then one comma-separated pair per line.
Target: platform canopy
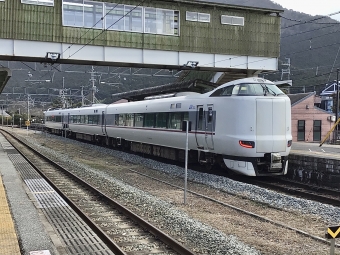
x,y
198,86
5,74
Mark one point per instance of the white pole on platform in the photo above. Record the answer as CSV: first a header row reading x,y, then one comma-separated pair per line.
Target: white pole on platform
x,y
28,112
186,162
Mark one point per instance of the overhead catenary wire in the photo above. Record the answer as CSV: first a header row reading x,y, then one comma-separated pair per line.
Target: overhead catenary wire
x,y
309,21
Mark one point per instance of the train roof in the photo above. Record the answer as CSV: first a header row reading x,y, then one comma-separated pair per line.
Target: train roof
x,y
198,86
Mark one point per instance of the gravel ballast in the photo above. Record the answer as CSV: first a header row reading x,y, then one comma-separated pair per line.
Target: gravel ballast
x,y
205,238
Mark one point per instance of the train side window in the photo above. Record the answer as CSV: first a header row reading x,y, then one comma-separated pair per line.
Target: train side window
x,y
90,119
149,120
121,120
139,117
161,119
226,91
96,119
129,119
185,116
116,119
175,119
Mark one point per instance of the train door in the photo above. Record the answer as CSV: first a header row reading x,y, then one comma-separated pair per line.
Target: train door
x,y
200,128
209,127
205,127
103,123
64,121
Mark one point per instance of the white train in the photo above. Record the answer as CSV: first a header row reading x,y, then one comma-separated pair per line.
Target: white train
x,y
243,125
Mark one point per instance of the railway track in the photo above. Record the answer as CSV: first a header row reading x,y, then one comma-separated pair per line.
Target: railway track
x,y
123,231
239,210
297,189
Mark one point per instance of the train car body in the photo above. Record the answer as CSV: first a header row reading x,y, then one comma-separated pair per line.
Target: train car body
x,y
244,125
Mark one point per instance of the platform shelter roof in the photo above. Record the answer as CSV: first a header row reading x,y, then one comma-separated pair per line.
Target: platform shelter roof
x,y
5,74
199,86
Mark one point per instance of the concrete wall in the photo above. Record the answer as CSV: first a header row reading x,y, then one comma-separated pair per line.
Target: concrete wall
x,y
314,169
305,110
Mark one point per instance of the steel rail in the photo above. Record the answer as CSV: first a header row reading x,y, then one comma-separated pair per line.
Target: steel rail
x,y
259,217
176,246
306,191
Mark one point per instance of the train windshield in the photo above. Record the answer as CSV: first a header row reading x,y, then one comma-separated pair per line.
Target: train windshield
x,y
248,89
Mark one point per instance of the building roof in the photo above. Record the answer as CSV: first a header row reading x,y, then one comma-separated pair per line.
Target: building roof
x,y
5,74
5,114
297,98
198,86
222,3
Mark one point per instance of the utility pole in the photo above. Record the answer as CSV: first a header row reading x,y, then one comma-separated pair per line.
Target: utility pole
x,y
82,95
94,88
337,102
287,70
28,107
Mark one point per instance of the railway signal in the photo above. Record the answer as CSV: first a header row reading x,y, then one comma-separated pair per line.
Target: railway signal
x,y
332,233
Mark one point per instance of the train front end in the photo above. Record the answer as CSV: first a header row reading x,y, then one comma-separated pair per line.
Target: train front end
x,y
257,136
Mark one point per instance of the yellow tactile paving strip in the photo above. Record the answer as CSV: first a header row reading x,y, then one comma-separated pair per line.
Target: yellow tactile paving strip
x,y
8,239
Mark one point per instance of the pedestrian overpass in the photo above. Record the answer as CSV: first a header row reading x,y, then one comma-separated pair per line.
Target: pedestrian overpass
x,y
165,34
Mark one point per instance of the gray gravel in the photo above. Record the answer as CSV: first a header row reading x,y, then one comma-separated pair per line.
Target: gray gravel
x,y
207,239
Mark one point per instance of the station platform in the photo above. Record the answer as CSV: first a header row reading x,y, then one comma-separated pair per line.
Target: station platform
x,y
8,237
22,229
41,222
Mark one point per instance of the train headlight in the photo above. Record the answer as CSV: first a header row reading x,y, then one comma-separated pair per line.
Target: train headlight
x,y
247,144
289,143
276,157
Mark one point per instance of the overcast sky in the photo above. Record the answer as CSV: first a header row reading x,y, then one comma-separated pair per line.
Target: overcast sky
x,y
323,7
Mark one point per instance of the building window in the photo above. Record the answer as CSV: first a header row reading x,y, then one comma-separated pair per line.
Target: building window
x,y
93,12
114,19
111,16
161,21
37,2
73,13
197,16
232,20
301,130
317,130
133,20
